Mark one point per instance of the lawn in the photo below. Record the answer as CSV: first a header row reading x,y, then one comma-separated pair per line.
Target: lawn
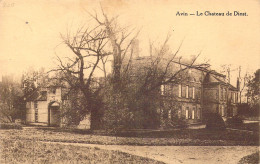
x,y
251,159
25,151
24,146
191,137
248,126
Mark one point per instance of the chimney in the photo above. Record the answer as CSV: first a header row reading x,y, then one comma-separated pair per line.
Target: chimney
x,y
135,48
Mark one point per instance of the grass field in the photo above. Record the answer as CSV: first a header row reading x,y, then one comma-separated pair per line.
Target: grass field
x,y
25,151
25,146
250,159
192,137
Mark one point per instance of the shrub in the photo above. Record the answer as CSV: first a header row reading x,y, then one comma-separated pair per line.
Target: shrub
x,y
214,121
10,126
235,120
177,122
116,120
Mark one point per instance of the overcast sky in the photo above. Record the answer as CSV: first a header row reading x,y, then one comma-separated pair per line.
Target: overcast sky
x,y
30,29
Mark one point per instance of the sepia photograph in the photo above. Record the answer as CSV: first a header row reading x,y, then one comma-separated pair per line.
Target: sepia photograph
x,y
128,81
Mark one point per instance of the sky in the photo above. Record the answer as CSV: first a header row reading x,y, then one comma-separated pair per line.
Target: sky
x,y
30,29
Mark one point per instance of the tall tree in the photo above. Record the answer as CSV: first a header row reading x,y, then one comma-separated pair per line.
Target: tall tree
x,y
242,82
78,70
253,90
121,39
91,49
12,104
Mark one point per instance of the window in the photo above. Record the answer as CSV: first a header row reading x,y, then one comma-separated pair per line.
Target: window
x,y
179,113
165,114
35,104
193,113
169,114
53,90
175,91
162,89
36,115
187,113
198,93
224,94
36,111
221,94
190,92
221,110
183,91
198,113
179,90
168,89
187,91
193,92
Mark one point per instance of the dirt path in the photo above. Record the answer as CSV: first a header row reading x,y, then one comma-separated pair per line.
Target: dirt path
x,y
182,154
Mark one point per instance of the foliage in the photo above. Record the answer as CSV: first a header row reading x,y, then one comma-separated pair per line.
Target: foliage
x,y
12,104
214,121
171,118
253,90
129,109
132,88
10,126
235,120
116,120
73,109
32,79
117,115
244,110
177,122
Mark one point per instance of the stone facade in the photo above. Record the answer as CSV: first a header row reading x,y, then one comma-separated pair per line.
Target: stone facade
x,y
202,91
43,107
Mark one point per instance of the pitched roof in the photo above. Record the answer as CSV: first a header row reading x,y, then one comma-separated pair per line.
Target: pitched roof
x,y
211,79
184,62
37,96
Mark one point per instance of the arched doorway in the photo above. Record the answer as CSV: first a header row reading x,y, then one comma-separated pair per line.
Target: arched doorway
x,y
54,113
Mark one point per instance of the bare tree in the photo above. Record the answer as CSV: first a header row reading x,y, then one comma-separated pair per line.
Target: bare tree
x,y
166,67
242,83
242,80
91,51
87,45
120,39
142,79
